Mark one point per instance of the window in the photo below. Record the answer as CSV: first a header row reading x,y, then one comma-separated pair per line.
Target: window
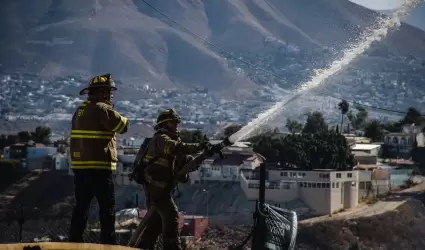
x,y
328,185
333,184
349,175
338,175
323,185
281,173
325,176
314,185
285,174
337,185
309,185
301,184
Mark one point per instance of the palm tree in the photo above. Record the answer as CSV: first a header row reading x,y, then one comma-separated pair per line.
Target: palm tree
x,y
343,106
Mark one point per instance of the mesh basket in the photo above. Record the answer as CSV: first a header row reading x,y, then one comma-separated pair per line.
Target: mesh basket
x,y
277,227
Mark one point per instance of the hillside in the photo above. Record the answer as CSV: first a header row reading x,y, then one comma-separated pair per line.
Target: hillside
x,y
138,46
403,229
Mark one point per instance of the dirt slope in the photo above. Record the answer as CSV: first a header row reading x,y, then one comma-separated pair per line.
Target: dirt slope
x,y
42,193
402,228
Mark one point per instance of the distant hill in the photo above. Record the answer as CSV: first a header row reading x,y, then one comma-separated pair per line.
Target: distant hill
x,y
136,44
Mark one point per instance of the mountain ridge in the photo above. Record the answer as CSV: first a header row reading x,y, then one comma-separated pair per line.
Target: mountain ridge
x,y
63,40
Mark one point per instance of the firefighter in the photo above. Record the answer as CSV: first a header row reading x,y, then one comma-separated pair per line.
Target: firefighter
x,y
163,154
94,157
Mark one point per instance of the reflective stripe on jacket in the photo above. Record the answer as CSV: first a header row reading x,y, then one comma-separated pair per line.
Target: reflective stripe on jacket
x,y
93,140
164,149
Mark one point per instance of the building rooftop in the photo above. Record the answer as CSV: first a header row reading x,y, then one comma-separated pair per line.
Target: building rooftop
x,y
364,146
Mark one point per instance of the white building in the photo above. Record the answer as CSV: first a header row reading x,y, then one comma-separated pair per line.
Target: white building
x,y
366,153
400,142
324,191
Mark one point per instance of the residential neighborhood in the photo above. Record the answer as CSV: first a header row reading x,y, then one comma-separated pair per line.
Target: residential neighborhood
x,y
301,173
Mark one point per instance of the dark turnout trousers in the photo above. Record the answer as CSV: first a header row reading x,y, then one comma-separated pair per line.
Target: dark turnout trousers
x,y
91,184
165,220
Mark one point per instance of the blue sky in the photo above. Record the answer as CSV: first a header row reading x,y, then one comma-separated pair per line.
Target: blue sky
x,y
416,17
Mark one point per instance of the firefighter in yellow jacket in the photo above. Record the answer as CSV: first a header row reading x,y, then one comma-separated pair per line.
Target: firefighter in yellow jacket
x,y
94,157
164,150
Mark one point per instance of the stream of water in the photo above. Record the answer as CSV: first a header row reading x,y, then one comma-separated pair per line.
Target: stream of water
x,y
374,33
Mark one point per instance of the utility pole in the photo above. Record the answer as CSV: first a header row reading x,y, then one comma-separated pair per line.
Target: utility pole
x,y
207,197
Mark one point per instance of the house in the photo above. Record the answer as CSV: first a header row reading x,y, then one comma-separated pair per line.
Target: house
x,y
324,191
238,156
356,139
365,153
124,168
400,144
374,183
372,149
364,158
32,155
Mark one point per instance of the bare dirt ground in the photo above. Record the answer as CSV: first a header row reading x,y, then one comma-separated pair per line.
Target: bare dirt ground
x,y
395,222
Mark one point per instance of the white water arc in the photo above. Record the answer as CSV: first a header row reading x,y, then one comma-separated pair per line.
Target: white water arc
x,y
376,32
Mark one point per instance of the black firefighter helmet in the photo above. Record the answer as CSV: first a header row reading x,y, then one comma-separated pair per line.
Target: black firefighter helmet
x,y
99,82
165,116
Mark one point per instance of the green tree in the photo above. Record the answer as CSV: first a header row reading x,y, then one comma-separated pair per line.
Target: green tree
x,y
323,150
294,126
343,106
374,131
412,116
12,139
41,134
358,119
24,136
193,136
3,141
393,127
315,123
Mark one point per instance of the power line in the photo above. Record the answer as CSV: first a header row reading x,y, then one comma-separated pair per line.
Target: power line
x,y
255,66
370,106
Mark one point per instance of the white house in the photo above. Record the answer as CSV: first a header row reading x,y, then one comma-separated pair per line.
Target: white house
x,y
366,153
324,191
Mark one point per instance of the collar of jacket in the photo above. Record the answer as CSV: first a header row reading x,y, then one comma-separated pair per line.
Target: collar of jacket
x,y
173,135
98,100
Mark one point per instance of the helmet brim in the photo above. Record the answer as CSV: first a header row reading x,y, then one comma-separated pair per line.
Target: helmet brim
x,y
85,91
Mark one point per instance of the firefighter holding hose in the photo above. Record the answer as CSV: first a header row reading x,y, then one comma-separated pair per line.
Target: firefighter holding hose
x,y
164,155
94,157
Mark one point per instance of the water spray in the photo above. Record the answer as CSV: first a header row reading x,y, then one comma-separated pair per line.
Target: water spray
x,y
375,33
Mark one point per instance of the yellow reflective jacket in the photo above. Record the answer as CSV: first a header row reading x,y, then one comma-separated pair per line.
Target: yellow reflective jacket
x,y
164,148
93,141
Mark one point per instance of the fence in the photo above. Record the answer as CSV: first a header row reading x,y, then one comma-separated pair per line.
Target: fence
x,y
29,224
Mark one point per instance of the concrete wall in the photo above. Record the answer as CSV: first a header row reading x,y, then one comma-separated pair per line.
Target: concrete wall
x,y
316,196
366,159
276,192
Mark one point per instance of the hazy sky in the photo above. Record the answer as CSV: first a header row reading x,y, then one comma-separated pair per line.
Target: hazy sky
x,y
416,18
